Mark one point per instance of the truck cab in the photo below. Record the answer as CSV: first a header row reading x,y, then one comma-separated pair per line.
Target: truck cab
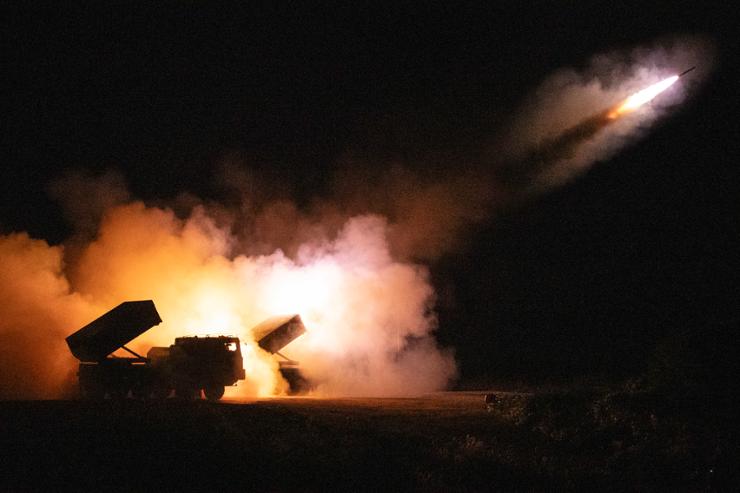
x,y
195,363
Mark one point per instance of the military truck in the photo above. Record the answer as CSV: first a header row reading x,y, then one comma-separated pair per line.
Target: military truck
x,y
187,367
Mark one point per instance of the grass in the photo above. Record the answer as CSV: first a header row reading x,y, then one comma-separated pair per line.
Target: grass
x,y
572,439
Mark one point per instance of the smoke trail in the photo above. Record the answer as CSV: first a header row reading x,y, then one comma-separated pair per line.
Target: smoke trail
x,y
553,150
563,128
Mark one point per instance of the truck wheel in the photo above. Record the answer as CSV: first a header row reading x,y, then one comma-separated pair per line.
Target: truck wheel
x,y
214,392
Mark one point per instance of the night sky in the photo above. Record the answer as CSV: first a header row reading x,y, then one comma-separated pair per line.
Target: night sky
x,y
588,278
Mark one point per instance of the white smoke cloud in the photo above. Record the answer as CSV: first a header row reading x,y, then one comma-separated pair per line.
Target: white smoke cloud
x,y
570,96
369,317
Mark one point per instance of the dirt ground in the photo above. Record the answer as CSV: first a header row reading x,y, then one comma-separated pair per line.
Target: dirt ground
x,y
442,442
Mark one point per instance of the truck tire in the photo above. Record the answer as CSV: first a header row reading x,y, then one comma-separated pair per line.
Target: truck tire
x,y
214,392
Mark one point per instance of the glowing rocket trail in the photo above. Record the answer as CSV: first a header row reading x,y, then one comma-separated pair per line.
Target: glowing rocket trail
x,y
645,95
565,144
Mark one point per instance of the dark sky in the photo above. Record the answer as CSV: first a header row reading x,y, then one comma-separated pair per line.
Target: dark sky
x,y
600,269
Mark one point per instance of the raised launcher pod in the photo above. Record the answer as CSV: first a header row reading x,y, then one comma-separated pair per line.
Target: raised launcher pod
x,y
112,330
274,334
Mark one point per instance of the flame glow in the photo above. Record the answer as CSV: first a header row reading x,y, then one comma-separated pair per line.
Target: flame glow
x,y
641,97
368,316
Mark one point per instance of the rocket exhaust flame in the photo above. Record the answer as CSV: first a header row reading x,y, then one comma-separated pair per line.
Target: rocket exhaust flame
x,y
641,97
523,174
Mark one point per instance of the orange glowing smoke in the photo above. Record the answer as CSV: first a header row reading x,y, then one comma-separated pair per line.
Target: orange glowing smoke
x,y
368,315
641,97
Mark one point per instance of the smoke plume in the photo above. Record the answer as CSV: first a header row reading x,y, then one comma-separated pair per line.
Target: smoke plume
x,y
38,309
369,317
351,264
